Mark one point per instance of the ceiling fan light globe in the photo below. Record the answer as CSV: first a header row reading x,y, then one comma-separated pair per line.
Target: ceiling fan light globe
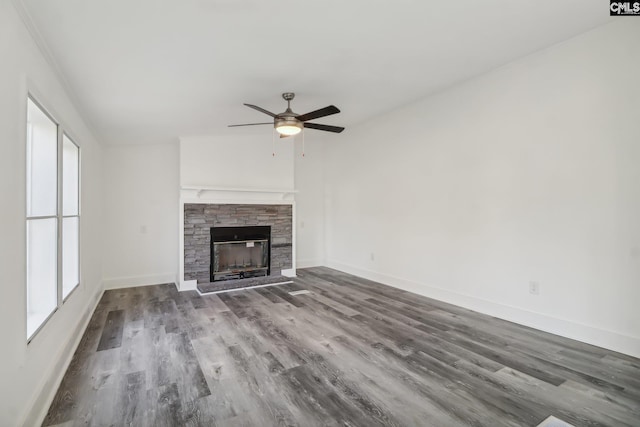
x,y
288,129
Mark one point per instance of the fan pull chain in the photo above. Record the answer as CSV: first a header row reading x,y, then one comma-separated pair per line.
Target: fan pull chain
x,y
273,140
303,142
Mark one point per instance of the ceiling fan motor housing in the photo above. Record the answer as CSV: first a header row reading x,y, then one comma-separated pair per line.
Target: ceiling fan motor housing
x,y
287,123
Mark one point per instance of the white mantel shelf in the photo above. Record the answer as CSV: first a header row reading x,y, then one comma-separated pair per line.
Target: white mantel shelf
x,y
200,190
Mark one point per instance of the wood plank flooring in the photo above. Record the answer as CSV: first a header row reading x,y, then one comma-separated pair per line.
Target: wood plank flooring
x,y
350,353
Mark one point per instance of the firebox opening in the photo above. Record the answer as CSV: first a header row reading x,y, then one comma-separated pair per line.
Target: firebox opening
x,y
240,252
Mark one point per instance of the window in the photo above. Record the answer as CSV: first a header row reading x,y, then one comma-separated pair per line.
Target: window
x,y
52,211
70,216
42,221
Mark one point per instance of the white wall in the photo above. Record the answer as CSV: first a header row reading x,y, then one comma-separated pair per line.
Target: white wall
x,y
30,373
309,184
141,215
527,173
236,161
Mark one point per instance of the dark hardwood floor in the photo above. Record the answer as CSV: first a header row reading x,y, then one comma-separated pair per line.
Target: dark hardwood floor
x,y
350,353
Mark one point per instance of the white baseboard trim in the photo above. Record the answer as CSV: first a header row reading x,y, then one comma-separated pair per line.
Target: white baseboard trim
x,y
133,281
567,328
291,272
43,401
306,263
188,285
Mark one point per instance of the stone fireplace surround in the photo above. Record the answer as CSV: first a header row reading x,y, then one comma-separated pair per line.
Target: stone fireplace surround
x,y
199,218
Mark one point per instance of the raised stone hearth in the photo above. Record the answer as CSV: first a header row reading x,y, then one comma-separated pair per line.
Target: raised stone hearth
x,y
230,285
199,218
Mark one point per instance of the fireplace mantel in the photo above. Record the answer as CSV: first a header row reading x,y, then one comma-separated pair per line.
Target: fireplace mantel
x,y
229,193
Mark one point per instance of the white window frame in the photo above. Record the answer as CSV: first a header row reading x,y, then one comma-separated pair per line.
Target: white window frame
x,y
62,216
60,134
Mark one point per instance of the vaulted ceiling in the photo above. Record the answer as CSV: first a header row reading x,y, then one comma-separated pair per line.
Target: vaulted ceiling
x,y
149,71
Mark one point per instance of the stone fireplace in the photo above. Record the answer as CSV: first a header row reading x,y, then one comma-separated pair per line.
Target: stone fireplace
x,y
201,219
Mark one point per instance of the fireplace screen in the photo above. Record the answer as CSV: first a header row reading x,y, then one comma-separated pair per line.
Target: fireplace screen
x,y
240,252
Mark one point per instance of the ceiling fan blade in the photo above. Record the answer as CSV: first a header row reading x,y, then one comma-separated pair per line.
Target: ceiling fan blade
x,y
323,112
336,129
250,124
262,110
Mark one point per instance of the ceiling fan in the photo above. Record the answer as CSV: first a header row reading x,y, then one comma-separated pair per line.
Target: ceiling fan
x,y
290,123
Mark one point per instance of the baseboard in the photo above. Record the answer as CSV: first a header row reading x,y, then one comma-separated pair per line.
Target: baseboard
x,y
289,272
188,285
42,402
133,281
585,333
306,263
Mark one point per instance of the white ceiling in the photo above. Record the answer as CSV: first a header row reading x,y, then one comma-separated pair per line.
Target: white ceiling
x,y
150,71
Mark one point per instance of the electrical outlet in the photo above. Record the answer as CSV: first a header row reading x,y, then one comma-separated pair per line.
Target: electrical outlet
x,y
143,229
373,257
534,288
301,224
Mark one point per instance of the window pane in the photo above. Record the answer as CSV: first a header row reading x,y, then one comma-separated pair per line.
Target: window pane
x,y
41,271
42,162
70,158
70,255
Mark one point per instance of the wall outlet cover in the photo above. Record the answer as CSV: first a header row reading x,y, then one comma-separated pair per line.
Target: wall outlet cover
x,y
534,288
